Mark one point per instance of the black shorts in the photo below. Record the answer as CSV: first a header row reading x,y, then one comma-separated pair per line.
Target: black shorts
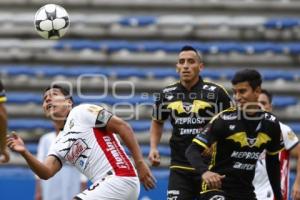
x,y
214,195
221,195
184,185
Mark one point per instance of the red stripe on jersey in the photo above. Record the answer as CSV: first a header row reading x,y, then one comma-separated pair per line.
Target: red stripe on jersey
x,y
114,153
284,171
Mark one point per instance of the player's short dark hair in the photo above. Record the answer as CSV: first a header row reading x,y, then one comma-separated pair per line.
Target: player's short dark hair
x,y
251,76
190,48
268,94
65,91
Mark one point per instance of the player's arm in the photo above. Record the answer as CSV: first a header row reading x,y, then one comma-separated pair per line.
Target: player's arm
x,y
159,114
272,159
296,187
3,128
119,126
38,190
194,153
156,131
44,170
273,170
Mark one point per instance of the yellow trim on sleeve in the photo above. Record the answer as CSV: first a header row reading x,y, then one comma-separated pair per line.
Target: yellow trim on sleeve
x,y
276,152
211,190
200,143
3,99
182,167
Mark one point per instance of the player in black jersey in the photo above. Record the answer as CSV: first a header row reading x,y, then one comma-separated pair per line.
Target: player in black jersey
x,y
4,155
237,137
190,104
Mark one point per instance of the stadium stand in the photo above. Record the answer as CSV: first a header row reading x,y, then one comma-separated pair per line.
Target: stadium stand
x,y
128,48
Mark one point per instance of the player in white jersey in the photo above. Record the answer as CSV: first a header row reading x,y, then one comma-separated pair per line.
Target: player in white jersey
x,y
87,140
261,182
65,184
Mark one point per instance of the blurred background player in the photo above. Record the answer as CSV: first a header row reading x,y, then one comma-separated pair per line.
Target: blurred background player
x,y
261,182
189,104
87,141
4,155
65,184
237,137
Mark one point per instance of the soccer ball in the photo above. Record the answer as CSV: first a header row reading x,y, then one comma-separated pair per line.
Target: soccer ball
x,y
51,21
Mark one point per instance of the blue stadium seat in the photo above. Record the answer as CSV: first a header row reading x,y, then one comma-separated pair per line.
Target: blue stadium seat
x,y
163,150
138,21
283,101
295,126
22,98
124,72
174,47
281,23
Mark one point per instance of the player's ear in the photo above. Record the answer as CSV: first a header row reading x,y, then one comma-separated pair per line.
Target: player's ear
x,y
257,91
177,68
201,66
70,103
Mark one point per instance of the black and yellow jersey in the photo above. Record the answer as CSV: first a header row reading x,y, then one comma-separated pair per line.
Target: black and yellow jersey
x,y
2,93
189,111
237,140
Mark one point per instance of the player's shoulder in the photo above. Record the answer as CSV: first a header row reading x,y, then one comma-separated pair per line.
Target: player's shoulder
x,y
270,117
212,86
228,114
171,87
86,107
285,128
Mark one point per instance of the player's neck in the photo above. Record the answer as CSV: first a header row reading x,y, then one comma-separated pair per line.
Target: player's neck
x,y
189,84
59,125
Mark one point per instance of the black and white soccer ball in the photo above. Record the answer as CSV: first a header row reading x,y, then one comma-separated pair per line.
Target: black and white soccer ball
x,y
51,21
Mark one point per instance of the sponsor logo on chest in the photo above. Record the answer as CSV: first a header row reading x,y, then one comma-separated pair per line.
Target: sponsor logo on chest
x,y
76,150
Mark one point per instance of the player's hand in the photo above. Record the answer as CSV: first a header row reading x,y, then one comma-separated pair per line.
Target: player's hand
x,y
15,143
213,180
296,191
145,175
154,157
4,156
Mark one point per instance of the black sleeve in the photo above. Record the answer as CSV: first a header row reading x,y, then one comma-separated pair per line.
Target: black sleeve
x,y
202,141
276,144
160,111
224,100
273,170
193,154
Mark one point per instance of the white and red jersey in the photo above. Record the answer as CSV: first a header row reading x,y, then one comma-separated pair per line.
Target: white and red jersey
x,y
261,182
85,143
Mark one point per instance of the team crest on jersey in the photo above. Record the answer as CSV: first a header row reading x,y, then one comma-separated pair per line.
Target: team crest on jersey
x,y
181,107
243,140
187,107
76,150
291,135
